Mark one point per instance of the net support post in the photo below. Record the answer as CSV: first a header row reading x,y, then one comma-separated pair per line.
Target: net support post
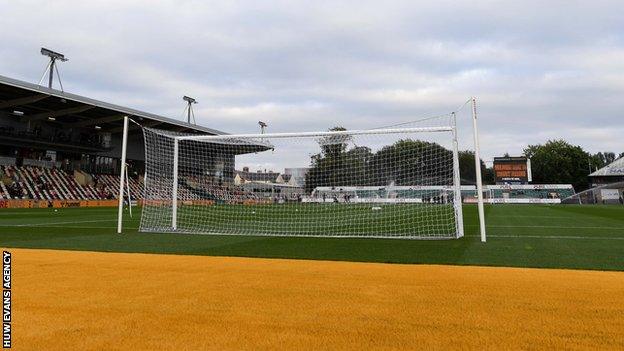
x,y
128,193
174,193
475,132
122,175
457,198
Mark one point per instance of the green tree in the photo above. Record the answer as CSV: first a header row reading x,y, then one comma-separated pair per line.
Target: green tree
x,y
467,169
558,162
334,165
405,162
409,162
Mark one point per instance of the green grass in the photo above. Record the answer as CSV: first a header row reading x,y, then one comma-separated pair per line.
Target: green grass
x,y
555,236
404,220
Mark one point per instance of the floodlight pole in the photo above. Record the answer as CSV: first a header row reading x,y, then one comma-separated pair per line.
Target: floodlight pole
x,y
478,170
51,75
188,113
122,175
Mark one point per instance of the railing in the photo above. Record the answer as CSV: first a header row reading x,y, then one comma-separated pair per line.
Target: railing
x,y
7,161
40,163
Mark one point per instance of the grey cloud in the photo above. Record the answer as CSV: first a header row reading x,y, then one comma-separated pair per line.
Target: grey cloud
x,y
540,69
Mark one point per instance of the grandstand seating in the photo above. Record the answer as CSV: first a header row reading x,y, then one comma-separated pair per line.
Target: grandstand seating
x,y
40,183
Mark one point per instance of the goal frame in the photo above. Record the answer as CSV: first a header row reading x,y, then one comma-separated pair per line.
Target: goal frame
x,y
259,137
457,203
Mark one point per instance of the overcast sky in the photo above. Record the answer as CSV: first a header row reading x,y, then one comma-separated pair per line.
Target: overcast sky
x,y
538,71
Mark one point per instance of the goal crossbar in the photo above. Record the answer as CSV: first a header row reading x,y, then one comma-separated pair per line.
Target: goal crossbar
x,y
318,134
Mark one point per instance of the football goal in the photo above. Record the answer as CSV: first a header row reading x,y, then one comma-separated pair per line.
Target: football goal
x,y
377,183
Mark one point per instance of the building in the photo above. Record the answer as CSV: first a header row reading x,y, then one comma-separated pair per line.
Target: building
x,y
270,185
612,173
295,176
245,176
274,185
607,185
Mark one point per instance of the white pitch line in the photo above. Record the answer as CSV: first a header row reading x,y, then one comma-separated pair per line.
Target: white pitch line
x,y
85,227
576,237
55,223
507,217
543,226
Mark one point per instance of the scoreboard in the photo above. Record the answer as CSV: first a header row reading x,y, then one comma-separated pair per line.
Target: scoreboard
x,y
512,170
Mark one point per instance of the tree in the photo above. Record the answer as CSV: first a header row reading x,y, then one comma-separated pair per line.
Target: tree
x,y
409,162
467,169
334,165
558,162
406,162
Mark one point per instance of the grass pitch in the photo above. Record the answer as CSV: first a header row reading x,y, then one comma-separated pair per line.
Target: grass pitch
x,y
551,236
313,219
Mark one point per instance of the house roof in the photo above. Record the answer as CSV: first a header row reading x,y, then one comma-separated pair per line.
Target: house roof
x,y
258,176
616,168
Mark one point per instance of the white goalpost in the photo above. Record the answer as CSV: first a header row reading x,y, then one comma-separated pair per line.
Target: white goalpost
x,y
122,174
399,183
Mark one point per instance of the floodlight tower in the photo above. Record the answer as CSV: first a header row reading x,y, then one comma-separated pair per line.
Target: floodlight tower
x,y
52,65
262,126
189,108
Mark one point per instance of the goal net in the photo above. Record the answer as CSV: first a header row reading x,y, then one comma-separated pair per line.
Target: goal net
x,y
380,183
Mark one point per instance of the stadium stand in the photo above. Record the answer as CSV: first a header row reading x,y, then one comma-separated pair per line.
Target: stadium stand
x,y
55,145
40,183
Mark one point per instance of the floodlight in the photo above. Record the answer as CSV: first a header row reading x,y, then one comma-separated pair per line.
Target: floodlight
x,y
190,100
262,126
53,54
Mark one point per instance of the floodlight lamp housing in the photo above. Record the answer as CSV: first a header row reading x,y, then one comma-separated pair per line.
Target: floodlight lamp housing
x,y
53,54
190,100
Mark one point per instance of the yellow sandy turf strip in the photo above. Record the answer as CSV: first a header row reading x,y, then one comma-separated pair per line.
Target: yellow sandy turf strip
x,y
85,300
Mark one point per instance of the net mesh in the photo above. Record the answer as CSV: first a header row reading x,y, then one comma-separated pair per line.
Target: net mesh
x,y
398,183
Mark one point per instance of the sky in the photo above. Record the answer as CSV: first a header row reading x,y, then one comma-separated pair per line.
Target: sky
x,y
540,70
